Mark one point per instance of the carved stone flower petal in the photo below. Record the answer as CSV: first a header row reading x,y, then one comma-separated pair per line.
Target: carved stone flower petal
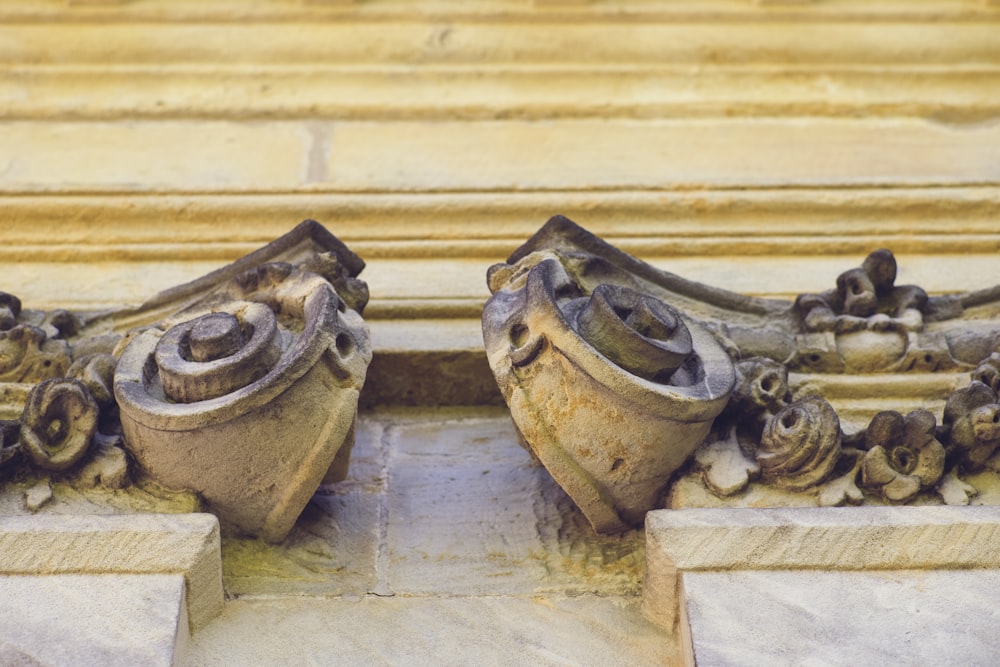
x,y
800,445
58,422
97,373
904,456
973,416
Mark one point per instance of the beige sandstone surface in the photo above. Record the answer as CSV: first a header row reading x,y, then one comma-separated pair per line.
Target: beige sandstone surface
x,y
761,146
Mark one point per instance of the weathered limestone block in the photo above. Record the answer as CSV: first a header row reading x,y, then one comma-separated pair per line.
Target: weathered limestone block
x,y
807,617
113,620
853,539
185,544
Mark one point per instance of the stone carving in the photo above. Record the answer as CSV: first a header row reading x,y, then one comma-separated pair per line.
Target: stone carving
x,y
898,457
241,386
576,327
800,445
58,422
904,455
268,402
611,389
865,298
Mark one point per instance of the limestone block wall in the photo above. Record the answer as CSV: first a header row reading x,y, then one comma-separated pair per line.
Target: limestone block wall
x,y
760,146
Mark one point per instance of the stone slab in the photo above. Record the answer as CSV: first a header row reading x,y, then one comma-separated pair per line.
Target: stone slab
x,y
332,548
748,618
461,511
208,155
598,154
679,542
497,631
113,620
186,544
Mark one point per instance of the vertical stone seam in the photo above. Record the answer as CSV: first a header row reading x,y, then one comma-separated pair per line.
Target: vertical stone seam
x,y
320,144
382,586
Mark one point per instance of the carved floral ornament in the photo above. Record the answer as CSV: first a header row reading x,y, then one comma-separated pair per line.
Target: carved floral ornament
x,y
241,387
634,386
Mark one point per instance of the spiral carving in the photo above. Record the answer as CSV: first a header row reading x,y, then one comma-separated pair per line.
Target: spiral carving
x,y
217,353
800,445
636,331
58,422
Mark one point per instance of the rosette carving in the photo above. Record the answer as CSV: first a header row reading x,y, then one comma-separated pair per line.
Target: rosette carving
x,y
800,445
761,390
904,455
28,355
972,415
58,422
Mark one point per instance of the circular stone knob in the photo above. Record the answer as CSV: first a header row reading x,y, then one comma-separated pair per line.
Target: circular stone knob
x,y
638,332
215,336
208,357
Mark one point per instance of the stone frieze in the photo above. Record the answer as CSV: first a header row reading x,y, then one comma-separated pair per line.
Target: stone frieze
x,y
593,352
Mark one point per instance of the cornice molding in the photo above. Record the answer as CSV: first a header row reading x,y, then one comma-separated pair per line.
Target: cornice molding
x,y
385,60
392,225
621,10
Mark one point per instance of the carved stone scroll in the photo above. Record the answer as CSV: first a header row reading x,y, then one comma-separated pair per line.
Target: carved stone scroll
x,y
610,388
617,372
901,329
241,386
248,411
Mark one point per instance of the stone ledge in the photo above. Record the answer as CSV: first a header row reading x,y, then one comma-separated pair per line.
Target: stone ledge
x,y
187,544
747,618
112,620
851,538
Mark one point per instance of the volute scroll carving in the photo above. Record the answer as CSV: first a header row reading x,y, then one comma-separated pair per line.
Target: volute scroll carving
x,y
240,387
256,386
765,434
610,389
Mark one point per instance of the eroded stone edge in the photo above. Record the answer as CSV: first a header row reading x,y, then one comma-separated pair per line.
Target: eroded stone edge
x,y
839,538
187,544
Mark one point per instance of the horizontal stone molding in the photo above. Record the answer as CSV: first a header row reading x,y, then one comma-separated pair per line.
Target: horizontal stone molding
x,y
707,221
187,544
582,155
622,10
495,60
398,92
838,538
